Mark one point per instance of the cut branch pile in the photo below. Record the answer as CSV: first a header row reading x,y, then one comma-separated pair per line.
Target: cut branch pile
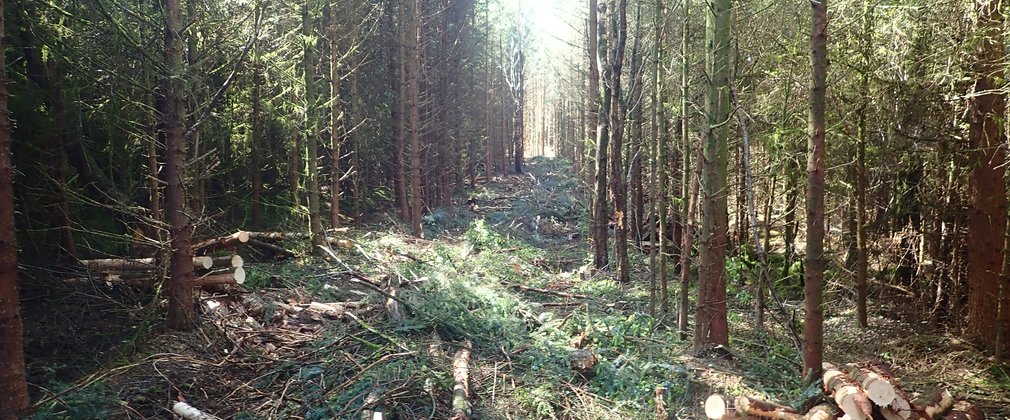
x,y
141,272
856,392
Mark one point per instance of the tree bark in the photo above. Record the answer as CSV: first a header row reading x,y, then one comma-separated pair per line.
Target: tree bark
x,y
311,122
14,400
600,222
618,187
335,122
987,189
813,325
181,309
711,327
861,181
414,103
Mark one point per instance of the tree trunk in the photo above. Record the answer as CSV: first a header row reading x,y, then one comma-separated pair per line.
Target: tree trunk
x,y
711,328
688,183
618,188
335,122
181,309
256,131
311,124
987,189
813,321
414,103
655,164
13,387
861,181
600,220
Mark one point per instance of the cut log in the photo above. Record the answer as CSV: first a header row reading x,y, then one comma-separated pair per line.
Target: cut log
x,y
116,265
878,386
717,407
203,262
847,393
212,245
235,277
119,264
765,409
934,404
461,382
234,261
964,410
278,252
189,412
821,412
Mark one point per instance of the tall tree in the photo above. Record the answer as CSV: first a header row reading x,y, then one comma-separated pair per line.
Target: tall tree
x,y
592,44
711,327
600,222
181,309
987,188
311,122
618,113
813,321
861,181
414,105
690,187
13,388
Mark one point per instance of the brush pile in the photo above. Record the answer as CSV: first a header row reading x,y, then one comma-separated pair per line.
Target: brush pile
x,y
853,392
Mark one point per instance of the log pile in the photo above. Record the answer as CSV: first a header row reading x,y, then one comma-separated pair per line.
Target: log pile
x,y
140,272
855,392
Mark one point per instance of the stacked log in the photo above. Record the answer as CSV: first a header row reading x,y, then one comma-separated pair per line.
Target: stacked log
x,y
140,272
856,392
263,241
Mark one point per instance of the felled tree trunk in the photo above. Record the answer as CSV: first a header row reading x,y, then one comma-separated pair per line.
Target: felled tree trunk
x,y
461,380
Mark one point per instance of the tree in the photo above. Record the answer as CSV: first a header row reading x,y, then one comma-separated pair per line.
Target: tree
x,y
618,113
600,222
987,188
813,321
311,128
181,309
414,104
711,327
13,388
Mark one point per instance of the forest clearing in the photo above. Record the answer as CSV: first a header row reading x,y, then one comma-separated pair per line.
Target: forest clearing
x,y
504,209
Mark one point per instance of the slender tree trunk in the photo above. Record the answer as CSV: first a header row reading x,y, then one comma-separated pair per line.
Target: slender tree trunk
x,y
987,189
400,111
414,103
689,227
336,131
311,124
181,309
656,166
600,222
711,327
618,187
593,45
861,181
13,387
689,192
197,184
813,321
256,132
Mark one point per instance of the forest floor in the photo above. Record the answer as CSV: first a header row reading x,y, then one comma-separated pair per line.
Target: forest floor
x,y
508,276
